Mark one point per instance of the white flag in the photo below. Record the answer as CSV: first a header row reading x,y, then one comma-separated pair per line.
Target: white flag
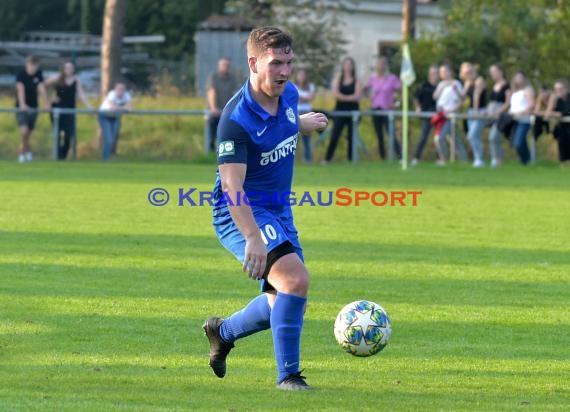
x,y
407,74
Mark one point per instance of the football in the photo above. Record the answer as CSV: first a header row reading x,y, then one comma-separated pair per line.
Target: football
x,y
362,328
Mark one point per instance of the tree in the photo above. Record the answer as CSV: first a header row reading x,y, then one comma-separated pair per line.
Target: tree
x,y
314,25
532,36
113,28
177,20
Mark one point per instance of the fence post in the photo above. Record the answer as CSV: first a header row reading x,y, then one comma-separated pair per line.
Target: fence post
x,y
453,136
74,141
206,132
391,136
55,130
354,138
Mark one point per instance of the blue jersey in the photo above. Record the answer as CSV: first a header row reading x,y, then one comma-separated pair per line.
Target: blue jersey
x,y
266,144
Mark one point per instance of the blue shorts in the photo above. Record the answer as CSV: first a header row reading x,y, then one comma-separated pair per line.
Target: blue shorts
x,y
276,229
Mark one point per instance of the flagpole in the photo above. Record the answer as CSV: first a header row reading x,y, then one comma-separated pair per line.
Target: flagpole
x,y
405,127
407,76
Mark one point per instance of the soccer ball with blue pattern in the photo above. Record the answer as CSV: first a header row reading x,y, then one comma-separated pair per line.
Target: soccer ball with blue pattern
x,y
362,328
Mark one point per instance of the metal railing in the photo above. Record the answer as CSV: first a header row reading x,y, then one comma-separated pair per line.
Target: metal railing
x,y
355,115
393,114
58,111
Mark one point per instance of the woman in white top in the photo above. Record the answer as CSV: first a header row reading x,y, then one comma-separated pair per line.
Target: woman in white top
x,y
448,96
521,106
117,101
306,96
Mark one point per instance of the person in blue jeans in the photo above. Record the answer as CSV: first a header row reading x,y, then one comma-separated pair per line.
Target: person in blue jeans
x,y
521,107
117,101
474,89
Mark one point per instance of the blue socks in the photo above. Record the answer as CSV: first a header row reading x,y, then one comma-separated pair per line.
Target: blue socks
x,y
251,319
286,326
285,321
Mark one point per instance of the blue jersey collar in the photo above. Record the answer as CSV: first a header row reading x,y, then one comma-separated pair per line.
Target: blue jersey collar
x,y
256,107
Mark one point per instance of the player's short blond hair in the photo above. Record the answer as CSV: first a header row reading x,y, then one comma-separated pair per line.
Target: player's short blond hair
x,y
264,38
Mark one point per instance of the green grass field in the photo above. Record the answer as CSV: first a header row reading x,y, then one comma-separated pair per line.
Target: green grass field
x,y
102,296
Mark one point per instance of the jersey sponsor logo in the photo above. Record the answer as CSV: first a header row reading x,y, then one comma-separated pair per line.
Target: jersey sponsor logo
x,y
226,148
291,115
283,149
260,132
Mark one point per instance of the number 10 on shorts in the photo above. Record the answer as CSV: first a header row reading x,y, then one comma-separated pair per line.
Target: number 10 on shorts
x,y
268,232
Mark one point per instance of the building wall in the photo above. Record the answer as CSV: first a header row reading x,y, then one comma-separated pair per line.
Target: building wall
x,y
364,26
371,22
210,46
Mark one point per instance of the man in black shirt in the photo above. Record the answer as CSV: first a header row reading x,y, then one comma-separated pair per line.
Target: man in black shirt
x,y
29,82
424,102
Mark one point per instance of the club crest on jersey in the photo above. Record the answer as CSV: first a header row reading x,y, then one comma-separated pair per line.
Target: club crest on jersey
x,y
226,148
291,115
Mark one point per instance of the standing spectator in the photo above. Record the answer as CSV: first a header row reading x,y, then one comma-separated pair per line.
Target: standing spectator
x,y
347,90
383,86
220,88
498,103
521,107
67,89
117,101
448,96
424,102
559,106
306,91
474,89
29,82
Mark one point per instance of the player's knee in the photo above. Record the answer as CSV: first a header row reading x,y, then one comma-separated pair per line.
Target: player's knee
x,y
289,275
300,283
295,282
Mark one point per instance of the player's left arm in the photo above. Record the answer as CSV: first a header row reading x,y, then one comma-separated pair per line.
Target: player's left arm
x,y
311,122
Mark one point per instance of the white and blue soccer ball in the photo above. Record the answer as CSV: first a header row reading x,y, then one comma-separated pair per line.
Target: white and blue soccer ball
x,y
362,328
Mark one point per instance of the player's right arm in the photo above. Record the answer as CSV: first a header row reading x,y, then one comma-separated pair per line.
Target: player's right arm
x,y
232,166
232,176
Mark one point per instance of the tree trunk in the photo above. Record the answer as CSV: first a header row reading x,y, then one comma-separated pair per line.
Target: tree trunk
x,y
408,20
113,28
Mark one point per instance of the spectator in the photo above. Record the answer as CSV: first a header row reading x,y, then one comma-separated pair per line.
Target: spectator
x,y
424,102
559,106
498,103
220,88
347,90
29,82
474,89
521,107
117,101
67,89
448,96
541,106
383,86
306,95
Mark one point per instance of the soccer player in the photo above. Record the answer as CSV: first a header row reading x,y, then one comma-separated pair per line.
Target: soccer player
x,y
257,138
